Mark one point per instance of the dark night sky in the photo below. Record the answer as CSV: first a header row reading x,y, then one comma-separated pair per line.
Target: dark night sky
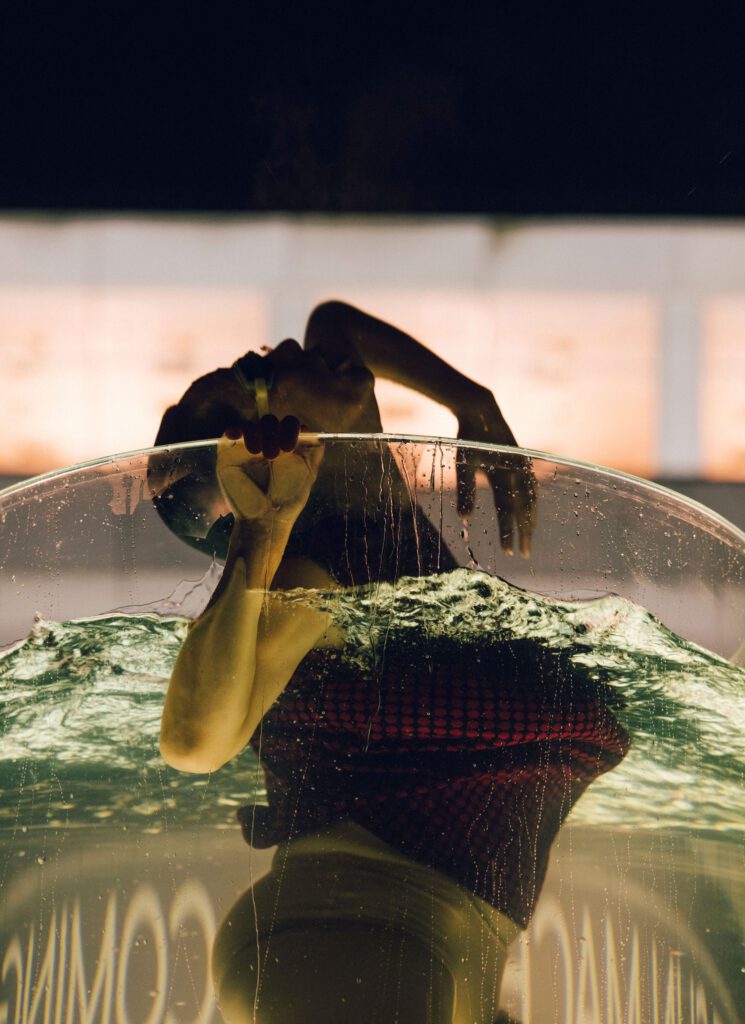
x,y
529,109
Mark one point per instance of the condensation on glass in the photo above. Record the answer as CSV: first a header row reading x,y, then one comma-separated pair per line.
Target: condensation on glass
x,y
587,701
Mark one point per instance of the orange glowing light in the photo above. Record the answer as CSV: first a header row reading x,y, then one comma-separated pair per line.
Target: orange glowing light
x,y
87,371
722,397
574,374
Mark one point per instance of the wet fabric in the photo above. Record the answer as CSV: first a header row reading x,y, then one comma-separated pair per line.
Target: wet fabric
x,y
469,769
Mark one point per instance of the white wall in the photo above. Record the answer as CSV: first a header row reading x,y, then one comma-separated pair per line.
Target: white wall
x,y
615,342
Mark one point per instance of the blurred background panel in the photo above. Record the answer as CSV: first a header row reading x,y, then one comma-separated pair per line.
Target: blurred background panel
x,y
550,357
723,387
616,342
89,370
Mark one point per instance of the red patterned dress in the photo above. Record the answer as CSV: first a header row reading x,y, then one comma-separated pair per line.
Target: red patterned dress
x,y
465,756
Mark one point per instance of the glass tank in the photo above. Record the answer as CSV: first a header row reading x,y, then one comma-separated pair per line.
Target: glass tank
x,y
491,788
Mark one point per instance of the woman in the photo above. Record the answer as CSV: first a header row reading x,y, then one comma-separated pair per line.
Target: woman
x,y
413,811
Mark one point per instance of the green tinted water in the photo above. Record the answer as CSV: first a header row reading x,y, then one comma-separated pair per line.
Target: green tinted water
x,y
80,706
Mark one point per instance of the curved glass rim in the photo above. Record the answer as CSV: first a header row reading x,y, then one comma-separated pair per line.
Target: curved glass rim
x,y
615,474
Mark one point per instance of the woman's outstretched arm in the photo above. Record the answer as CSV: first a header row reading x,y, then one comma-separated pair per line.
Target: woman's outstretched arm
x,y
343,332
241,652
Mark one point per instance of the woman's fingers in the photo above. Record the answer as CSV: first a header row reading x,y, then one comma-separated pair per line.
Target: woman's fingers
x,y
465,484
506,524
268,437
252,438
268,469
289,431
514,497
525,509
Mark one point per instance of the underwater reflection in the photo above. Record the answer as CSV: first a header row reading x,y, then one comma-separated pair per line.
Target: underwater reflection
x,y
419,757
417,769
418,766
414,808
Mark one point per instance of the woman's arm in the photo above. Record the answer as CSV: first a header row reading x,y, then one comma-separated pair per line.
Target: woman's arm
x,y
241,652
343,332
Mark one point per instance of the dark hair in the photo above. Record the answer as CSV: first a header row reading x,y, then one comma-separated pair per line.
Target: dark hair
x,y
184,487
185,490
186,513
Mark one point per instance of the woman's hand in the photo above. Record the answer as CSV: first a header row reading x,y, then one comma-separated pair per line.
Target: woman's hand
x,y
264,473
242,650
511,479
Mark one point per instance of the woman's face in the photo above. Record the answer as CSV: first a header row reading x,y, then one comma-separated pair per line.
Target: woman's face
x,y
324,398
335,398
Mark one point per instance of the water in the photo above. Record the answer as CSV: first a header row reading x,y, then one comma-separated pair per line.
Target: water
x,y
91,692
116,869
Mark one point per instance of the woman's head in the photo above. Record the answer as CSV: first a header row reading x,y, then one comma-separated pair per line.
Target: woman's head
x,y
332,398
338,398
300,383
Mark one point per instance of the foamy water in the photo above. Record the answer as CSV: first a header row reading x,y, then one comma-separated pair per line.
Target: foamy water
x,y
80,704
